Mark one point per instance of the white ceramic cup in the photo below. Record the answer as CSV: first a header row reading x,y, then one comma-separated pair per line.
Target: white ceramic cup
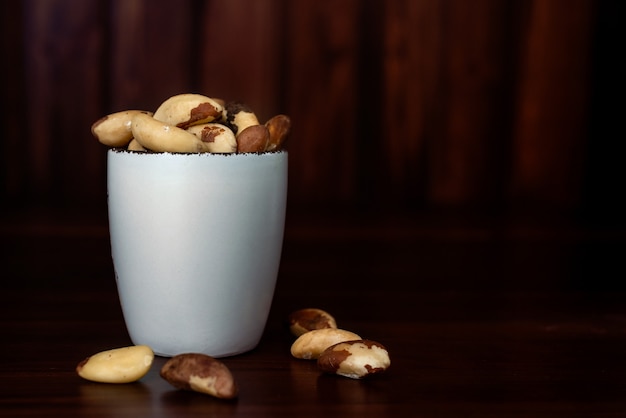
x,y
196,241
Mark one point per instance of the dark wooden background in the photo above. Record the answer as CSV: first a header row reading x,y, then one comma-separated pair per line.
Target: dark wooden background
x,y
482,106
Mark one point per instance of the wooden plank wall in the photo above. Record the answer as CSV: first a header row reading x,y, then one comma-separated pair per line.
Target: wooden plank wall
x,y
402,104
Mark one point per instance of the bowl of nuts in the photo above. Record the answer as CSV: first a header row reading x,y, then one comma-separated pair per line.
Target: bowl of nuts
x,y
197,199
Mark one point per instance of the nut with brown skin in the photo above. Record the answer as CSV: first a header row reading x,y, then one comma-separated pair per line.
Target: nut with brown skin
x,y
308,319
239,116
311,344
253,139
355,359
174,127
200,373
185,110
279,127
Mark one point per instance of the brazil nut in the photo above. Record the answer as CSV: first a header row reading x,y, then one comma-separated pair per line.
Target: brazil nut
x,y
279,128
354,359
308,319
114,130
253,139
119,365
216,137
158,136
239,116
184,110
193,123
310,345
200,373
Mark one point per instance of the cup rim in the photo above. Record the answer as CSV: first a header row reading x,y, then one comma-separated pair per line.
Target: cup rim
x,y
124,151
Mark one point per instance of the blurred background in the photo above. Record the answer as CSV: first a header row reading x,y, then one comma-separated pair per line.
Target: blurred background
x,y
446,109
413,105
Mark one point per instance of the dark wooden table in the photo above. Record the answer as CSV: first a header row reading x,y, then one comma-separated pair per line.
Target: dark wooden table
x,y
486,321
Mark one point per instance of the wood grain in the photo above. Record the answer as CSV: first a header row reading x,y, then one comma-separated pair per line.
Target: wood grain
x,y
411,105
477,321
550,122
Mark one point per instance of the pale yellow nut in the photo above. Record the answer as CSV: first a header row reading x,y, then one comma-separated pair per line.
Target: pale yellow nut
x,y
216,137
133,145
200,373
185,110
308,319
160,137
311,344
119,365
355,359
239,116
114,130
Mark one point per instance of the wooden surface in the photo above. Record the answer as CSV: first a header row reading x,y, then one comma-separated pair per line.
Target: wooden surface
x,y
480,320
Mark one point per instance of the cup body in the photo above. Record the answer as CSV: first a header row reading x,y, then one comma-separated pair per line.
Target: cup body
x,y
196,241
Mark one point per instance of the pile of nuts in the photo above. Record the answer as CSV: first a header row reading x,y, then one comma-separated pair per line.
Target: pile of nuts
x,y
193,123
190,371
337,351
